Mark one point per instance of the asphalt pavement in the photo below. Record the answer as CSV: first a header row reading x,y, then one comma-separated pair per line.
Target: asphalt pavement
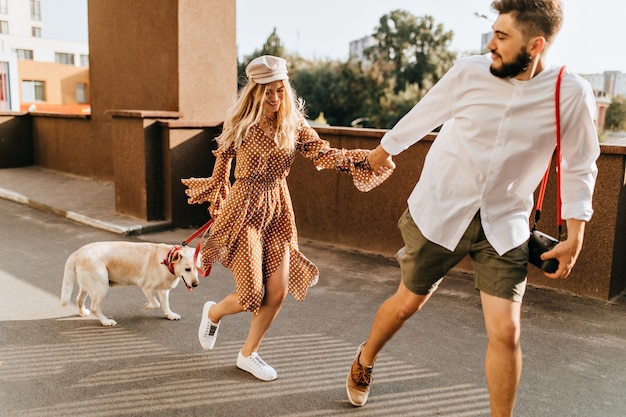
x,y
54,363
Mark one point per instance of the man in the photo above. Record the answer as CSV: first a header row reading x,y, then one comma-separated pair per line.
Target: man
x,y
475,193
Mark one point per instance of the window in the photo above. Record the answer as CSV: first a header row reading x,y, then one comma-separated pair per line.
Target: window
x,y
33,91
64,58
4,27
84,60
4,7
35,32
35,10
5,90
81,93
24,54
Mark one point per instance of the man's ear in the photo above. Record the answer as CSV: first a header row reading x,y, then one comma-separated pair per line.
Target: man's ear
x,y
536,45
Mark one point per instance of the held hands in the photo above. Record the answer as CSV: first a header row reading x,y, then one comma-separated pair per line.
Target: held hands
x,y
567,251
380,161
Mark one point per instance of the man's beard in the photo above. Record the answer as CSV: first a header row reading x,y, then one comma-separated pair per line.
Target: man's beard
x,y
515,68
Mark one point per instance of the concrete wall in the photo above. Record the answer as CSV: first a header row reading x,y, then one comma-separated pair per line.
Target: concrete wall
x,y
163,55
72,144
150,155
187,152
16,140
133,55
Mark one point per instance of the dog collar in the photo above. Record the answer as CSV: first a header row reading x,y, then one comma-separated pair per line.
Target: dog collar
x,y
168,259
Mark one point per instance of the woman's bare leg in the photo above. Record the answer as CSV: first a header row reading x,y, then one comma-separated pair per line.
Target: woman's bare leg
x,y
275,293
229,305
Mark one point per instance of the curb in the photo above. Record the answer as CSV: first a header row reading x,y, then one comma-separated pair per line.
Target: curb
x,y
136,229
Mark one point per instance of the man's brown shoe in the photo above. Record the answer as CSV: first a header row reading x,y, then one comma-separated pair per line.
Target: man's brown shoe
x,y
359,380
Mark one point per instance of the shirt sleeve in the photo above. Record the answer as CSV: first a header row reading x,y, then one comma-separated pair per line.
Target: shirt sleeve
x,y
434,109
580,149
350,161
215,189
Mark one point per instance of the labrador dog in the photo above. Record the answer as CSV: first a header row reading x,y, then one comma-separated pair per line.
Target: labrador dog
x,y
154,267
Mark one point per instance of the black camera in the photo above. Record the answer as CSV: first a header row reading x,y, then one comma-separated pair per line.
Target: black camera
x,y
539,243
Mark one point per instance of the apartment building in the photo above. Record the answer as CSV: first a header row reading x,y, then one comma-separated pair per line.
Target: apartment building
x,y
36,73
609,83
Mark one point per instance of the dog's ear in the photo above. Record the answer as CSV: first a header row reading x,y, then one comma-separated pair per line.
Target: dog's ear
x,y
176,257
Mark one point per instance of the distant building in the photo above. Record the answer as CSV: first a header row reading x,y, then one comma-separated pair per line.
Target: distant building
x,y
358,47
484,40
37,73
609,83
606,86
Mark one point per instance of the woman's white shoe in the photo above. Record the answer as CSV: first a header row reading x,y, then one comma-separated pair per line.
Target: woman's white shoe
x,y
207,332
256,366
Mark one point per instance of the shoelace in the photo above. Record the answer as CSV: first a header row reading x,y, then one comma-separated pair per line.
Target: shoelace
x,y
259,362
362,376
210,331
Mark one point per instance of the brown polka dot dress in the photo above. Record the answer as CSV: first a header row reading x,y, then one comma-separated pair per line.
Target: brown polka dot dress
x,y
254,219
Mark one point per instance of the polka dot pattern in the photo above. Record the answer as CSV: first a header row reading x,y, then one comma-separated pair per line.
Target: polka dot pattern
x,y
254,219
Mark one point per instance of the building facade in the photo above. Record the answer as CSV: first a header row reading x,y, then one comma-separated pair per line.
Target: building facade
x,y
36,73
609,83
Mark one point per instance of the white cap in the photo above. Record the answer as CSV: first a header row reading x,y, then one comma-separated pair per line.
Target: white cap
x,y
266,69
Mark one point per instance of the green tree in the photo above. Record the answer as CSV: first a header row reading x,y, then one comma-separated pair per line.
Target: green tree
x,y
273,46
411,50
410,57
616,114
342,91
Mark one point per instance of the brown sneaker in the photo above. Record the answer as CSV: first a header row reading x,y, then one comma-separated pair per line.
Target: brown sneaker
x,y
359,380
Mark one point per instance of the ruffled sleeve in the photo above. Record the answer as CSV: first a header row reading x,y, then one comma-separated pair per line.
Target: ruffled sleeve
x,y
351,161
215,189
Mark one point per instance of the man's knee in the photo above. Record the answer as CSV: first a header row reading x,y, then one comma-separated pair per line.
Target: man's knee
x,y
506,334
408,303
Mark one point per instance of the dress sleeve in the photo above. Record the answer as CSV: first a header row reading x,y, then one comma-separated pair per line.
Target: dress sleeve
x,y
350,161
215,189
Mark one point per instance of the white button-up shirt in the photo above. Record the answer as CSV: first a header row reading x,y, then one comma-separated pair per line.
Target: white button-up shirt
x,y
497,140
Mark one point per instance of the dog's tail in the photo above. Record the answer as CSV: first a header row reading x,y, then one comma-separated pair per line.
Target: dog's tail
x,y
69,278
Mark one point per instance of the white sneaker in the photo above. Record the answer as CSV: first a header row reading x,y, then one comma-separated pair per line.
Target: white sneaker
x,y
207,332
256,366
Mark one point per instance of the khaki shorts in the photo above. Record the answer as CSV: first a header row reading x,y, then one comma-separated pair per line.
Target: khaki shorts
x,y
424,263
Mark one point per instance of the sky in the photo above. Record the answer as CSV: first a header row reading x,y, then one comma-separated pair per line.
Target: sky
x,y
590,41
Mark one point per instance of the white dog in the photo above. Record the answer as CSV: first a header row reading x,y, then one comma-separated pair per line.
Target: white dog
x,y
153,267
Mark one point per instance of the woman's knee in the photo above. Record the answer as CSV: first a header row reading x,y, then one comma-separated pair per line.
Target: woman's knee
x,y
275,298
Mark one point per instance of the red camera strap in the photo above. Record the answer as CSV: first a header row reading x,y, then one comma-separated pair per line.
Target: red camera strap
x,y
544,181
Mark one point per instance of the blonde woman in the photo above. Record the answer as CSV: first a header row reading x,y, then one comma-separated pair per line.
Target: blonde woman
x,y
254,234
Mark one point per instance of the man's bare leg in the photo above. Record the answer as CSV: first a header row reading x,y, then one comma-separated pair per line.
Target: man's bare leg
x,y
503,361
390,318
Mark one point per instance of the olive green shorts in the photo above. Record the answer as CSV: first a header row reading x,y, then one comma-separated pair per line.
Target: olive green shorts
x,y
424,263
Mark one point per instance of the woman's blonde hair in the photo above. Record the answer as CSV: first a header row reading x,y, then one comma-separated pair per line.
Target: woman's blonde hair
x,y
247,111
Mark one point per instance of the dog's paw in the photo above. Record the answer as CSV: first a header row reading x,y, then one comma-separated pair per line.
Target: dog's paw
x,y
109,323
83,312
173,316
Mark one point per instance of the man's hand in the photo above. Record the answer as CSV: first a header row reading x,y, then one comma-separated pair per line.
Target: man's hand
x,y
567,251
380,161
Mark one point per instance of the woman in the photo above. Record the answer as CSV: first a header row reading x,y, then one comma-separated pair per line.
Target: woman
x,y
254,232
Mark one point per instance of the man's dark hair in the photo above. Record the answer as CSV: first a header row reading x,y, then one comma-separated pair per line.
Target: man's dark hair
x,y
535,17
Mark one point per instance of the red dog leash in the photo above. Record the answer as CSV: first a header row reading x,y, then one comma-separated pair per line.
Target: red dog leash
x,y
202,230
